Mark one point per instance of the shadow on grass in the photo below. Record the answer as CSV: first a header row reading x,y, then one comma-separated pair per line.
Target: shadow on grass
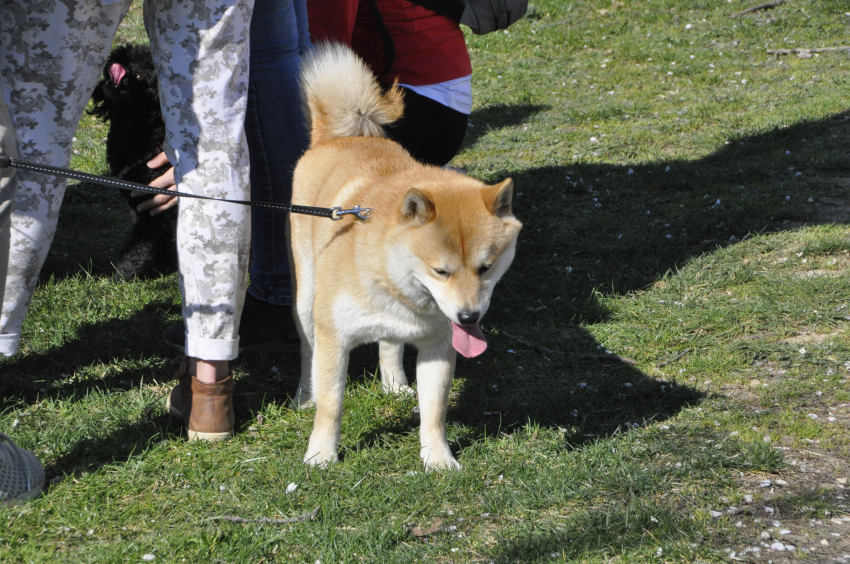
x,y
92,229
498,116
117,445
138,338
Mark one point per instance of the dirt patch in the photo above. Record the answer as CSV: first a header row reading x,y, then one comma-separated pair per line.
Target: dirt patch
x,y
817,273
811,338
802,513
832,210
783,522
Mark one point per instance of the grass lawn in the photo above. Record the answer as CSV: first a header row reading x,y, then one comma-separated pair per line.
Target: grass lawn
x,y
667,377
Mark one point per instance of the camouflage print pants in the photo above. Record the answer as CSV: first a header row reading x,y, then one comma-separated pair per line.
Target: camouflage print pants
x,y
52,54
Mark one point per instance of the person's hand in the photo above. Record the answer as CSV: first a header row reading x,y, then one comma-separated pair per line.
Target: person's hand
x,y
160,202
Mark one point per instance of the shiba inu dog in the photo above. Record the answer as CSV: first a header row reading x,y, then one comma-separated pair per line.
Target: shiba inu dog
x,y
420,269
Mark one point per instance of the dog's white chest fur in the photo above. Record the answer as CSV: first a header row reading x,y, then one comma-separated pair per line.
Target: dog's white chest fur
x,y
386,319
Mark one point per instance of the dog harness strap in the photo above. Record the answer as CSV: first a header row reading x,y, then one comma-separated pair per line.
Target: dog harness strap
x,y
330,213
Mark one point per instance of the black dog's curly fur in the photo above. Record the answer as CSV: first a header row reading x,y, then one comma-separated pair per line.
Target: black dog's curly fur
x,y
136,134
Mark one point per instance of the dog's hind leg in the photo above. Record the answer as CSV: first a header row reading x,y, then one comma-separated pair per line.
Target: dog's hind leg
x,y
435,366
302,269
304,396
393,379
330,366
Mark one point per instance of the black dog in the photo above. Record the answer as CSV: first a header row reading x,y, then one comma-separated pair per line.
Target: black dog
x,y
128,99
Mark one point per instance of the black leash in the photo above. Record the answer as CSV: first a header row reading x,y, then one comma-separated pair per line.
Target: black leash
x,y
331,213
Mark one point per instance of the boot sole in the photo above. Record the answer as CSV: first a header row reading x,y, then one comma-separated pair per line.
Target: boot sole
x,y
209,437
25,496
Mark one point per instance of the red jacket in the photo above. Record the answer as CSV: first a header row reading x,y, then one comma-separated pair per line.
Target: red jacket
x,y
429,48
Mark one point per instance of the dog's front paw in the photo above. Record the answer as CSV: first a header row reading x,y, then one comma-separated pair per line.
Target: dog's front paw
x,y
321,450
399,390
320,458
439,459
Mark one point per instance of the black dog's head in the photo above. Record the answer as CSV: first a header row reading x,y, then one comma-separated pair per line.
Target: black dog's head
x,y
129,81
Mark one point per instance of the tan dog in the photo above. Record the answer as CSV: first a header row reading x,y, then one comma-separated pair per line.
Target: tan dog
x,y
419,270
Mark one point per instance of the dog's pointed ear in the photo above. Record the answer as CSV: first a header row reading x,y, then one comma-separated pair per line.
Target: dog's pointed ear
x,y
417,207
498,198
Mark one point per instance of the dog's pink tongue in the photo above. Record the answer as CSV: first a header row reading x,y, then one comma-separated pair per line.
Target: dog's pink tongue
x,y
116,73
468,340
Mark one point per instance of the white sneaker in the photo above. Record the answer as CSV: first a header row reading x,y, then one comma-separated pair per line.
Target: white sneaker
x,y
21,474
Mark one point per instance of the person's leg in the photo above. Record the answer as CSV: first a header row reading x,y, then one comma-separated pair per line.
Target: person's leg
x,y
21,474
277,137
8,187
430,131
200,52
49,69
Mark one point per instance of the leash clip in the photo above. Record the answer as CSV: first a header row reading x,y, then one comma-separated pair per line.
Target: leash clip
x,y
5,161
357,211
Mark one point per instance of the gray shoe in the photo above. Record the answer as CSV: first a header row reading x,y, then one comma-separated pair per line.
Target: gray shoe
x,y
21,474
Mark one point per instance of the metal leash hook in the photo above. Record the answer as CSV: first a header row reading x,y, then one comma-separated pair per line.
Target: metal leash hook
x,y
357,211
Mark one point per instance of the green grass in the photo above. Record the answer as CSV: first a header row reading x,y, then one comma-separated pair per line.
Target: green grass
x,y
674,214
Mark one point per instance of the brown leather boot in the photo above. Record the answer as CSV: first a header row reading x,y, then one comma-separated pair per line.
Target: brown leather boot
x,y
206,409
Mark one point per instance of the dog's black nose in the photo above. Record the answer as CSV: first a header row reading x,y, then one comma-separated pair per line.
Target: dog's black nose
x,y
467,317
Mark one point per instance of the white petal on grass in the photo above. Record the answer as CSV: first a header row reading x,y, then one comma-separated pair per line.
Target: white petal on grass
x,y
291,487
148,557
777,546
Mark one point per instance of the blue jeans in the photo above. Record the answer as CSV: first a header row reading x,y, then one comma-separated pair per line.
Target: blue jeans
x,y
277,137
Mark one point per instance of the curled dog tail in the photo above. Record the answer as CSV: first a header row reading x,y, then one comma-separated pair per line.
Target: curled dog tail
x,y
343,97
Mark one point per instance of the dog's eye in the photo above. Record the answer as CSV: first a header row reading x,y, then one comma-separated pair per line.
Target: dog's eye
x,y
484,268
441,272
140,76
